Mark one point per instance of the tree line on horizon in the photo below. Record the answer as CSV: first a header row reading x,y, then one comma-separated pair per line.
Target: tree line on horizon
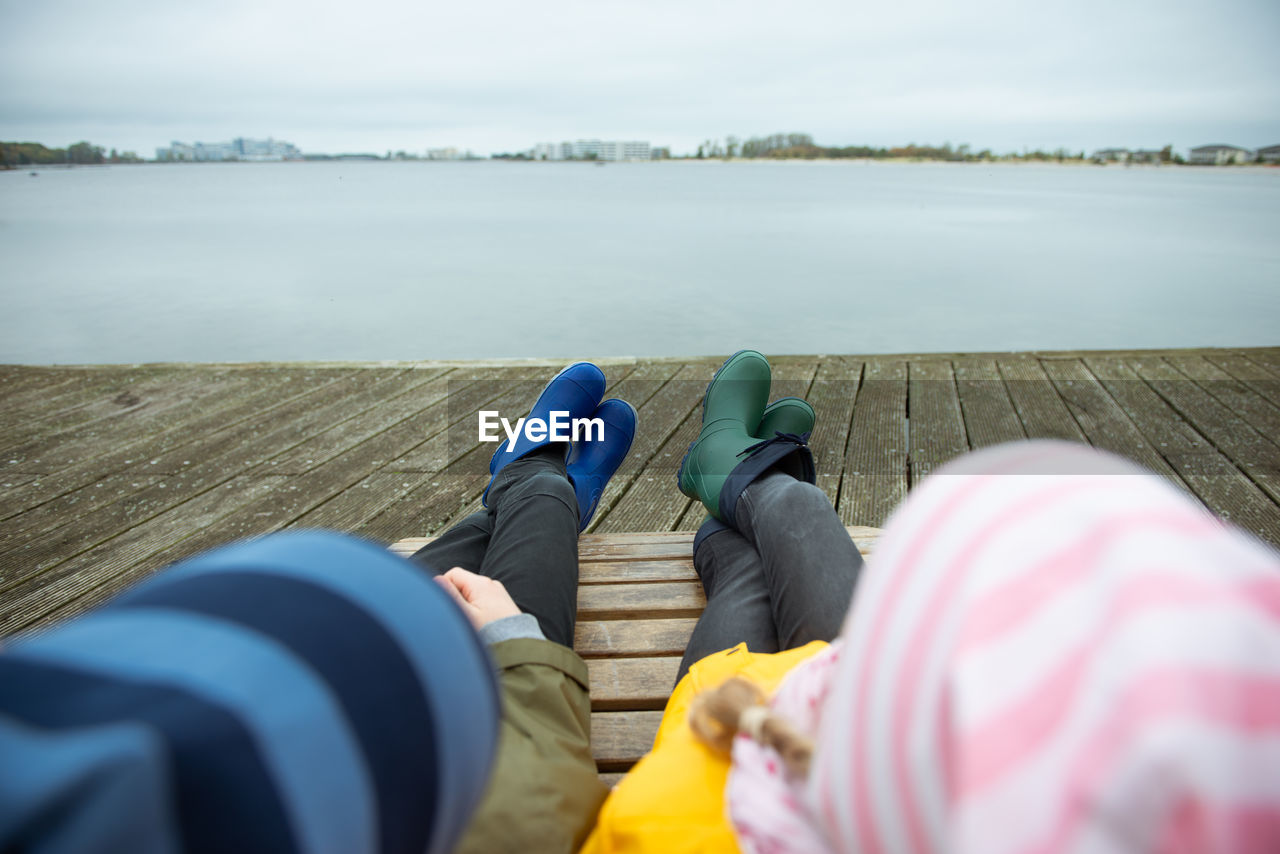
x,y
14,154
793,146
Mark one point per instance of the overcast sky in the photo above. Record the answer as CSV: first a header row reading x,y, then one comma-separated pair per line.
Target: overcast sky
x,y
504,74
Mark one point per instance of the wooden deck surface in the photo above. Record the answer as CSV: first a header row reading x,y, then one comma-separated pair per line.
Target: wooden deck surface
x,y
108,473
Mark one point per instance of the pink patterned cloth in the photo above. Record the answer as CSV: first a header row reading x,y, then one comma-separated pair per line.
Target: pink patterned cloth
x,y
1050,651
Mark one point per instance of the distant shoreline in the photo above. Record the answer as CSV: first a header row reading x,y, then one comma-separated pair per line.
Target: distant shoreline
x,y
708,161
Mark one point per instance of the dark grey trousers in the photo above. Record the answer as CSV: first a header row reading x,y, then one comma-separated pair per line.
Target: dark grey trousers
x,y
783,578
527,539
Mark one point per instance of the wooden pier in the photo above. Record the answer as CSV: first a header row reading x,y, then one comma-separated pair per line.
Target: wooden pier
x,y
110,472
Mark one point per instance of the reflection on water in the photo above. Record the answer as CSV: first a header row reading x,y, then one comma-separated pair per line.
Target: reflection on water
x,y
293,261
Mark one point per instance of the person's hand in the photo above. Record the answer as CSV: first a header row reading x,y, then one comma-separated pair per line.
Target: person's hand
x,y
481,598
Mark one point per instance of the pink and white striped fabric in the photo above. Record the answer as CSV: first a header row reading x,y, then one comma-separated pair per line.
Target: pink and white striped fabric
x,y
1050,651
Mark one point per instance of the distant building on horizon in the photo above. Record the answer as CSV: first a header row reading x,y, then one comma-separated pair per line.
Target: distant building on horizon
x,y
1147,155
594,149
241,148
1269,154
1112,155
444,154
1220,155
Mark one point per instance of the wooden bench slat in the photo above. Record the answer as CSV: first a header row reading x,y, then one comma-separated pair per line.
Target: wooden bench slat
x,y
612,571
630,638
641,601
611,778
622,684
619,739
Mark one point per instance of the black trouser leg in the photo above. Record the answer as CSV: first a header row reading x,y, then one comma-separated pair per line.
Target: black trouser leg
x,y
462,545
810,564
527,539
738,608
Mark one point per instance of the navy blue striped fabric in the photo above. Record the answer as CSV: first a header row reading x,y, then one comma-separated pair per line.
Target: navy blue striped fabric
x,y
372,679
224,796
306,692
451,662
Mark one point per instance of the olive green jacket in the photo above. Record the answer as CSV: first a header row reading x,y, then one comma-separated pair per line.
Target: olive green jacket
x,y
543,793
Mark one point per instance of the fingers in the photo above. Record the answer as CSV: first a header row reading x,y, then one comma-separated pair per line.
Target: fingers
x,y
483,599
449,587
471,585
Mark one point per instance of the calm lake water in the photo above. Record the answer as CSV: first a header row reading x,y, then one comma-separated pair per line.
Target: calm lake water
x,y
371,260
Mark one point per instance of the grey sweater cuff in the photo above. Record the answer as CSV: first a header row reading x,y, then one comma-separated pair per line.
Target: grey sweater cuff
x,y
510,628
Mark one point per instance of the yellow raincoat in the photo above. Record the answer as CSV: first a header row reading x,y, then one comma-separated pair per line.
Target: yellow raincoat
x,y
673,800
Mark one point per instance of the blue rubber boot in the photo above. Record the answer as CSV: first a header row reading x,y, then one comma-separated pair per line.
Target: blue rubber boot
x,y
593,461
576,391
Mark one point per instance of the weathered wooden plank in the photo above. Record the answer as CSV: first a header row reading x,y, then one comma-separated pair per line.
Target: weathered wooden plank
x,y
937,431
1266,357
1102,420
86,579
631,638
116,409
289,499
1257,411
1041,410
248,416
632,684
1264,382
63,394
287,504
350,509
1165,429
459,465
989,414
414,393
832,393
508,391
647,601
46,516
33,396
610,571
1209,475
1257,456
10,481
654,501
694,515
55,513
1229,494
19,379
619,739
875,473
352,394
100,525
439,500
660,416
125,409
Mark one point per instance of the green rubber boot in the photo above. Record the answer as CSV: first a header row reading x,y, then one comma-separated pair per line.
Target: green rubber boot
x,y
727,456
784,415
